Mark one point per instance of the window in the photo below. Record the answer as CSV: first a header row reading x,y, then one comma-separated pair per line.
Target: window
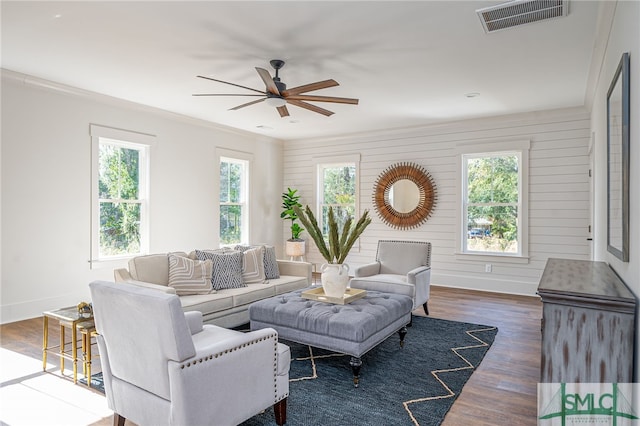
x,y
337,188
120,193
234,213
493,209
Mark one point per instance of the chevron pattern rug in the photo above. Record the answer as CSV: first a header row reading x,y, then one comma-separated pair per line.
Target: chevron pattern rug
x,y
413,385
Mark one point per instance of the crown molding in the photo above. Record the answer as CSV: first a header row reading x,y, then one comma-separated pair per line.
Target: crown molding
x,y
460,126
18,78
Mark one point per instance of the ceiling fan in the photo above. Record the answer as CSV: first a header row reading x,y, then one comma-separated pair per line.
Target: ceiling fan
x,y
276,93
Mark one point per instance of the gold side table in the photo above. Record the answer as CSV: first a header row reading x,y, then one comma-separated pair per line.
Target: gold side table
x,y
88,331
67,318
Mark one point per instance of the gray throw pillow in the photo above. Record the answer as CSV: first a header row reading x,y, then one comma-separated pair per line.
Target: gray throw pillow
x,y
271,271
227,268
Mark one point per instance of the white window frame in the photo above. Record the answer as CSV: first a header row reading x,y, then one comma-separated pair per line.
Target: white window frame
x,y
246,159
128,139
476,149
325,162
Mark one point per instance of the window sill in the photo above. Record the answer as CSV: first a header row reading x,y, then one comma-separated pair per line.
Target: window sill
x,y
498,258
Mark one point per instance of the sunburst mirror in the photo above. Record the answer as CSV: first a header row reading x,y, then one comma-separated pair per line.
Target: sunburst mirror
x,y
404,195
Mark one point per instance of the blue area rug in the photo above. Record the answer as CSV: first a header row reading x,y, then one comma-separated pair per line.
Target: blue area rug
x,y
96,382
414,385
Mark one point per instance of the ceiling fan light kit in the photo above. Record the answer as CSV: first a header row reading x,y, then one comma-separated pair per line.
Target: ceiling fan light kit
x,y
277,95
275,101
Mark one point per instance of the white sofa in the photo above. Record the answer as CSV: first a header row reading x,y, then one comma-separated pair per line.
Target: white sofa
x,y
224,308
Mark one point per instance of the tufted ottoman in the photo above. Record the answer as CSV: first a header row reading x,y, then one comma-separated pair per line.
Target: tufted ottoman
x,y
352,329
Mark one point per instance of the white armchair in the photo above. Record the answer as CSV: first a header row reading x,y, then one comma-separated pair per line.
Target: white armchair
x,y
401,267
161,366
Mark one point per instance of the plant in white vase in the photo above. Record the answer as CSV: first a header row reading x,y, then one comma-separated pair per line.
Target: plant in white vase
x,y
294,246
335,273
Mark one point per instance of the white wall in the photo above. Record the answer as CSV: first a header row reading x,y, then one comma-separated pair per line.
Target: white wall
x,y
558,191
46,190
623,37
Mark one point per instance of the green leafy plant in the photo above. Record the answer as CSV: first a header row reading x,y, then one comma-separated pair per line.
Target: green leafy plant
x,y
290,200
340,242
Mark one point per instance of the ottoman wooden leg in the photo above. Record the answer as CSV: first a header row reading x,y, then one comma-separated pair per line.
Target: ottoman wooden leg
x,y
402,332
355,364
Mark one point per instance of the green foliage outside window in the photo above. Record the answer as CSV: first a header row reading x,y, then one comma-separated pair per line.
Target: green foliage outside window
x,y
118,189
339,193
231,200
492,206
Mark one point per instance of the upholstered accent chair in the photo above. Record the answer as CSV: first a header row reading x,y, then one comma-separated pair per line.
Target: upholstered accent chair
x,y
402,267
162,366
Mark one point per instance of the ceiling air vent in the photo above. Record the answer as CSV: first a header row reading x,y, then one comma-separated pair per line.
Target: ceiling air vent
x,y
520,12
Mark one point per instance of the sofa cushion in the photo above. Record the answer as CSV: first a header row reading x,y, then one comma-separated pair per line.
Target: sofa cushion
x,y
386,283
152,268
207,303
253,266
188,276
250,294
287,283
227,268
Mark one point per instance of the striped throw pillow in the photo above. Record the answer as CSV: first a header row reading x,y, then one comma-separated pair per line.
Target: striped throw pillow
x,y
189,276
253,265
271,270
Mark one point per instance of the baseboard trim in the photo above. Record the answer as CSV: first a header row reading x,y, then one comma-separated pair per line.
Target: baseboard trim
x,y
521,288
35,308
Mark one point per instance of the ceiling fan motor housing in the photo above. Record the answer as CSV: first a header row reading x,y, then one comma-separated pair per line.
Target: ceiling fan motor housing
x,y
280,85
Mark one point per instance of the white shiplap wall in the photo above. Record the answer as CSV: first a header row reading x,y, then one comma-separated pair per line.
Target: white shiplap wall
x,y
558,191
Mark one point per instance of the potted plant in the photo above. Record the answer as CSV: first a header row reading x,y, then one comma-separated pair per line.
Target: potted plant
x,y
294,246
335,273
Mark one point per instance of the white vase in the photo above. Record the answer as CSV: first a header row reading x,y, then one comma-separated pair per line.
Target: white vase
x,y
335,279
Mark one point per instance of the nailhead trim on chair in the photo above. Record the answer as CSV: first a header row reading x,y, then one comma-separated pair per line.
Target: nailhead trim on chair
x,y
275,371
428,244
226,351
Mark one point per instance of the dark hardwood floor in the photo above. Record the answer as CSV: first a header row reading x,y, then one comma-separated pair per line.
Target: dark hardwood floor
x,y
502,391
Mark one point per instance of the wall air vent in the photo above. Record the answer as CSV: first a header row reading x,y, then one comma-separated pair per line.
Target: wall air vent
x,y
520,12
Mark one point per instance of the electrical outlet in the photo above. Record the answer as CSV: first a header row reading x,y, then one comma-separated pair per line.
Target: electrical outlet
x,y
487,267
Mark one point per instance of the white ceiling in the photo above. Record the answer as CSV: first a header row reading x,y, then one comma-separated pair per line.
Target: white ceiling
x,y
409,63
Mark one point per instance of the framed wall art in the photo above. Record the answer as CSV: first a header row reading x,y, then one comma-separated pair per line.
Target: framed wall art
x,y
618,162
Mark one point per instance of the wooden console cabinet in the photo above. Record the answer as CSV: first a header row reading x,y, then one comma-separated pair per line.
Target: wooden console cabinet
x,y
588,323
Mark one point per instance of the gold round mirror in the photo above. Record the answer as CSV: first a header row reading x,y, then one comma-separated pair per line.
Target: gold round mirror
x,y
404,195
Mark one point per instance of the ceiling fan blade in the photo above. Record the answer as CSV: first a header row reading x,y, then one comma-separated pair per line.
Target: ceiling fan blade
x,y
232,84
223,94
323,99
284,112
268,81
309,107
310,87
247,104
